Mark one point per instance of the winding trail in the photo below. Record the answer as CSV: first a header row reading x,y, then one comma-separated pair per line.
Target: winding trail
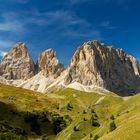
x,y
98,101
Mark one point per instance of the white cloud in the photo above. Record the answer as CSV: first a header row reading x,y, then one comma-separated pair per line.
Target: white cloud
x,y
107,25
119,2
19,22
66,22
62,17
19,1
79,1
11,22
138,59
3,53
6,44
13,26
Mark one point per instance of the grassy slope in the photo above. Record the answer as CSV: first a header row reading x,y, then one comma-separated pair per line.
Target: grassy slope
x,y
16,104
79,102
103,110
78,108
126,113
127,120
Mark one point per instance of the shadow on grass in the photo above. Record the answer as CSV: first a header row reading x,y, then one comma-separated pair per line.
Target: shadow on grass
x,y
15,124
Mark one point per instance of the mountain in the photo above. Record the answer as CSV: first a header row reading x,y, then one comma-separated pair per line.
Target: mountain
x,y
95,64
49,64
17,64
94,67
70,113
49,69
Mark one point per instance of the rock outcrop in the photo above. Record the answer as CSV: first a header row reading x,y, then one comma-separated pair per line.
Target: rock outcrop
x,y
49,69
94,67
102,66
17,64
49,64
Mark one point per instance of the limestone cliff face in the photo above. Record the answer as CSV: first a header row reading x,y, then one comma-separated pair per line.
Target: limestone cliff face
x,y
17,64
94,67
49,69
49,64
97,64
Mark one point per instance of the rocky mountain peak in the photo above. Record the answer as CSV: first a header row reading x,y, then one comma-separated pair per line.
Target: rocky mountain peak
x,y
49,64
95,66
17,64
18,51
100,65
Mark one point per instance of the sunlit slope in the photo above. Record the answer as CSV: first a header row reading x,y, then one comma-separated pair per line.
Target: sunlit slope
x,y
97,119
67,115
127,120
31,115
25,114
93,118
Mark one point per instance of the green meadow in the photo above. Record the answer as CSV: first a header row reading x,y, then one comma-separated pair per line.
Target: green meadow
x,y
67,115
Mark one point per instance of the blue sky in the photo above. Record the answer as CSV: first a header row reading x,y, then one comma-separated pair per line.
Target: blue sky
x,y
64,25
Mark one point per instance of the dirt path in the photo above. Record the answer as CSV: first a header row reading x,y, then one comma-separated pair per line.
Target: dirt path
x,y
100,100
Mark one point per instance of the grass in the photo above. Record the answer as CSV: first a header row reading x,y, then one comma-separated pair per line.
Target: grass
x,y
17,104
67,115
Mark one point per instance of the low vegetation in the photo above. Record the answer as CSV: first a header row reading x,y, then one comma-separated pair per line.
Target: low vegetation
x,y
67,115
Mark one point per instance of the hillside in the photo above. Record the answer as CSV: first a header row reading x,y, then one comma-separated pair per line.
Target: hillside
x,y
27,115
68,114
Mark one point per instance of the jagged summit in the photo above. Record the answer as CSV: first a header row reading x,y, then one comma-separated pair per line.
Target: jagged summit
x,y
49,64
103,66
49,69
20,50
17,64
94,66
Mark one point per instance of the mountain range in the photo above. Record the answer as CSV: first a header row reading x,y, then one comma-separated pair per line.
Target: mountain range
x,y
91,99
95,66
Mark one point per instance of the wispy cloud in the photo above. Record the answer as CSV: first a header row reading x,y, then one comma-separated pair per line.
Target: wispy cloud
x,y
122,2
107,25
65,23
138,59
13,26
19,1
6,44
11,22
20,21
79,1
60,17
119,2
3,53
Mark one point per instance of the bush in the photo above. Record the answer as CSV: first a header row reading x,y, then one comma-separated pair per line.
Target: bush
x,y
112,126
84,111
69,107
92,111
11,136
91,135
94,121
75,128
33,121
58,124
96,115
96,137
84,119
112,117
19,131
